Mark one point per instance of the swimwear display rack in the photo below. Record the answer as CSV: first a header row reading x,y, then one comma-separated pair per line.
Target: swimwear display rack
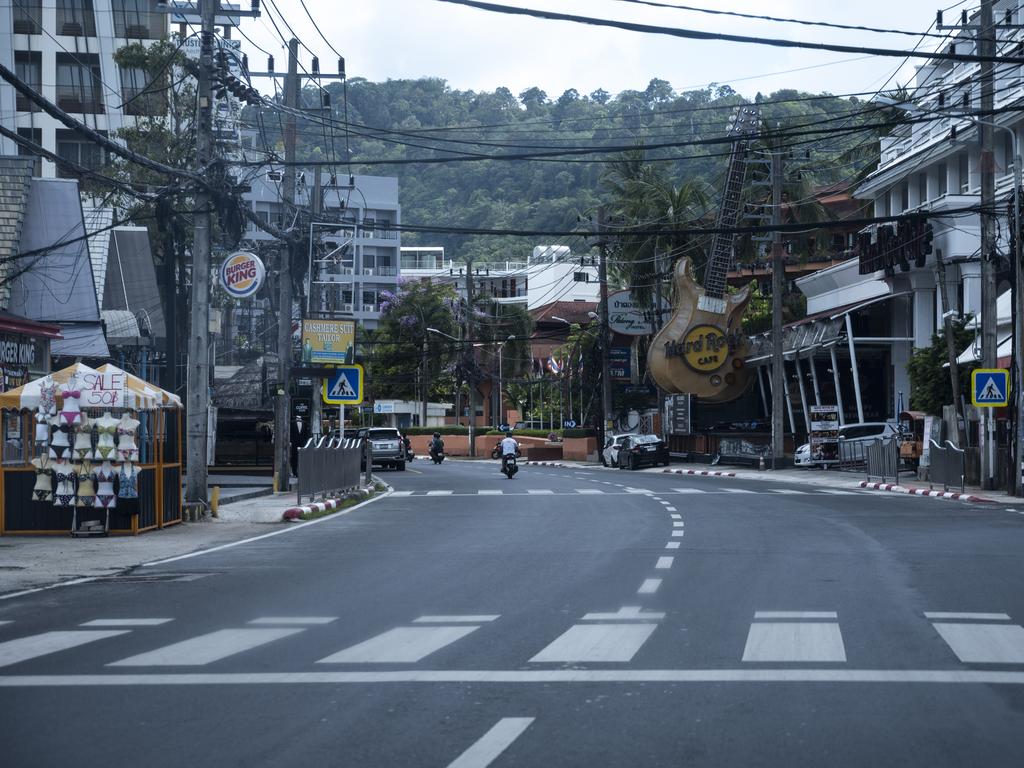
x,y
154,471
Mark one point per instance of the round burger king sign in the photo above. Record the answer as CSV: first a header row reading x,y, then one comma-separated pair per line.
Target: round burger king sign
x,y
242,274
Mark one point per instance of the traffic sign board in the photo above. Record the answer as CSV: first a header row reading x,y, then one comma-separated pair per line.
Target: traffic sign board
x,y
345,386
569,424
990,387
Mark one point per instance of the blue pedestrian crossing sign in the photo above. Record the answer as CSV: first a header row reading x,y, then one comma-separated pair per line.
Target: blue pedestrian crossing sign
x,y
990,387
345,386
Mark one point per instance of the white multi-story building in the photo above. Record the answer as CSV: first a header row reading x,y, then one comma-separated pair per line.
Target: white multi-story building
x,y
65,50
867,315
355,258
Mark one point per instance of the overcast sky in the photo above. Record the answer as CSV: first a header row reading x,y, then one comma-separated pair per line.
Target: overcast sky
x,y
481,50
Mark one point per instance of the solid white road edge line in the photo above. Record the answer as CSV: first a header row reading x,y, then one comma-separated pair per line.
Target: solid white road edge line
x,y
289,529
543,676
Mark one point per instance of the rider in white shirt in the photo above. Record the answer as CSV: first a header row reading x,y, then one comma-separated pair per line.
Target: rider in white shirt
x,y
509,447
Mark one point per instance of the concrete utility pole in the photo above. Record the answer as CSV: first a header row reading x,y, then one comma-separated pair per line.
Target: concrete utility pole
x,y
602,277
282,428
778,290
951,352
469,340
987,48
197,397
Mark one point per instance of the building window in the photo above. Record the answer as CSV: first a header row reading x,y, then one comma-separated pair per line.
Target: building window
x,y
28,15
904,197
77,149
36,135
369,299
28,65
79,82
136,96
75,18
964,172
1008,150
943,173
922,187
137,19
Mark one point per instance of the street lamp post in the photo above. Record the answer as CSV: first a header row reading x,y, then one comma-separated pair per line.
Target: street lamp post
x,y
501,400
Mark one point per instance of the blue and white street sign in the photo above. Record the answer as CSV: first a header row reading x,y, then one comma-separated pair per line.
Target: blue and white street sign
x,y
345,386
990,387
569,424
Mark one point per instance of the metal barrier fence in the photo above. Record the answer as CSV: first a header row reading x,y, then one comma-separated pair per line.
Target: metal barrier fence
x,y
947,465
882,459
328,466
852,455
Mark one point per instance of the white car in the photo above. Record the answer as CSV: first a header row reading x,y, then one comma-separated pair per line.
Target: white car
x,y
610,452
848,433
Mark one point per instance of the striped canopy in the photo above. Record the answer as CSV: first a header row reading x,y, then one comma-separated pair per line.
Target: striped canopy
x,y
139,395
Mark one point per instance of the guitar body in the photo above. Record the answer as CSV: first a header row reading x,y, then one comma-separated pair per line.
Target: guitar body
x,y
700,350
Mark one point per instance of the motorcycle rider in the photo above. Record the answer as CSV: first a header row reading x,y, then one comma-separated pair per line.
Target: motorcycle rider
x,y
509,447
436,445
409,456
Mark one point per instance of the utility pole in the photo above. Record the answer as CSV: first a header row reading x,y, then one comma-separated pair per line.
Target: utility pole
x,y
282,428
987,48
951,353
602,277
316,397
472,367
778,290
197,397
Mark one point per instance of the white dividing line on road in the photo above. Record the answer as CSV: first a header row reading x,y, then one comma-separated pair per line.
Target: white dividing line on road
x,y
666,503
529,676
439,493
25,648
402,645
837,493
966,616
794,641
294,620
626,613
689,490
489,746
984,643
738,490
673,545
644,491
5,622
649,587
205,649
678,524
673,509
664,563
787,492
596,643
796,615
678,532
540,491
589,491
491,492
434,619
401,493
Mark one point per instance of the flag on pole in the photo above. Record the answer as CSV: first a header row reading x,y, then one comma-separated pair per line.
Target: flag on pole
x,y
554,366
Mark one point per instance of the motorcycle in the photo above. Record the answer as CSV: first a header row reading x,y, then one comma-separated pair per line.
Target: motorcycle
x,y
437,455
409,454
509,466
496,453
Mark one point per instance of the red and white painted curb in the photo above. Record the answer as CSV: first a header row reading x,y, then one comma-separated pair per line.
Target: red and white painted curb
x,y
895,488
294,513
545,464
704,472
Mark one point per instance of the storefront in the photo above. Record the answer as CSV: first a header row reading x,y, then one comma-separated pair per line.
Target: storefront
x,y
95,451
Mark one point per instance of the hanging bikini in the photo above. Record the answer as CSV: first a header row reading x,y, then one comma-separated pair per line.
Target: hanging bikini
x,y
83,440
128,482
105,496
71,412
60,442
106,428
126,447
86,491
43,489
64,474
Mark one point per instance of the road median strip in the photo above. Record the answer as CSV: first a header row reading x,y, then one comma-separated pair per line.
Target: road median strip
x,y
896,488
703,472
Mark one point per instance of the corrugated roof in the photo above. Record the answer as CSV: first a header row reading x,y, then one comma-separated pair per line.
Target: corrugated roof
x,y
15,180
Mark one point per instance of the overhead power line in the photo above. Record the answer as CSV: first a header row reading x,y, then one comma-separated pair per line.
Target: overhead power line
x,y
693,34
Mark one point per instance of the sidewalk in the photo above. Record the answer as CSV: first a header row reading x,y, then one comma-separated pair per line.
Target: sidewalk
x,y
30,562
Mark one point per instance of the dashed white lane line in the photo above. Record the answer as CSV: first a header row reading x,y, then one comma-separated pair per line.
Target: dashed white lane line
x,y
490,492
664,563
540,491
966,616
677,523
488,747
673,545
737,490
689,490
665,503
439,493
670,509
678,532
649,587
787,492
796,615
25,648
590,491
467,619
676,516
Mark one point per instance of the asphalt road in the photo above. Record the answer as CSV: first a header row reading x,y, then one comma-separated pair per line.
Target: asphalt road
x,y
564,618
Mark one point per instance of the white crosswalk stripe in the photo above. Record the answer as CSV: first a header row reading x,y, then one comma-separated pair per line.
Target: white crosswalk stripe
x,y
738,490
125,622
799,641
400,645
205,649
490,492
597,643
590,491
540,491
787,492
34,646
984,643
402,493
689,490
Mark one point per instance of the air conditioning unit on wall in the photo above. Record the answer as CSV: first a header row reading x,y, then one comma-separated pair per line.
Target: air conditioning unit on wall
x,y
346,307
369,308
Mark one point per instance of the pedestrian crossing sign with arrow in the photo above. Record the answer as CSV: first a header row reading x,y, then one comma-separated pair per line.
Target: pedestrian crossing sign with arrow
x,y
345,386
990,387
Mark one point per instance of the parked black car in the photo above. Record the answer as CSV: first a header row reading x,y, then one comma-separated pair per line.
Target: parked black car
x,y
642,450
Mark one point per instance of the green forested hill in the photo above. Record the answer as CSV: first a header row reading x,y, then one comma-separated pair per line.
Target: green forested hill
x,y
417,119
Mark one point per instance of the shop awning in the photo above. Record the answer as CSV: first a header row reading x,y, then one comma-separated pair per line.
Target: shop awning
x,y
163,398
139,395
27,395
1004,353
